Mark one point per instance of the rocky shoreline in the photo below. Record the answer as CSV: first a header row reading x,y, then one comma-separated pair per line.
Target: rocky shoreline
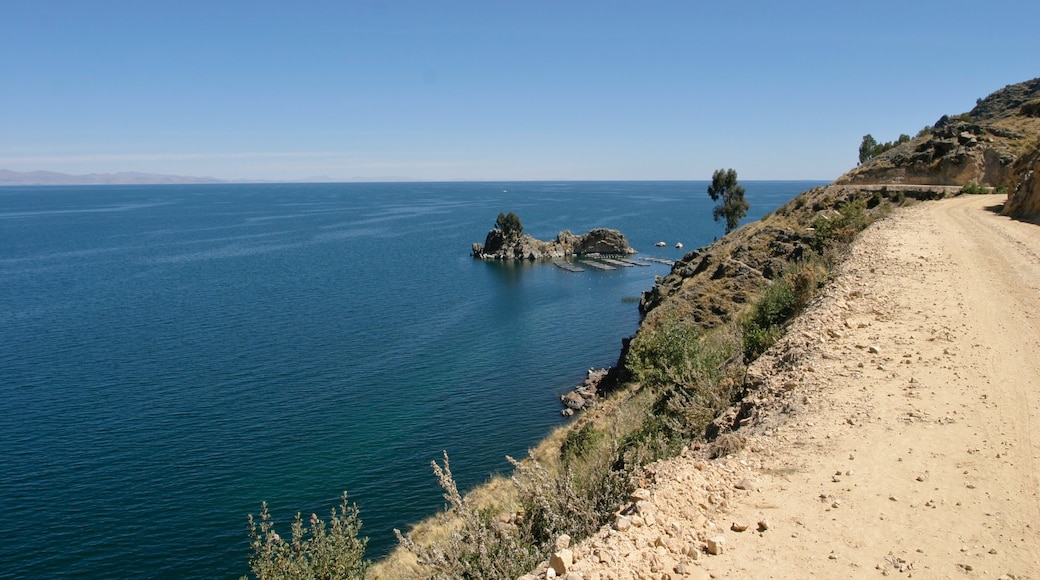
x,y
584,395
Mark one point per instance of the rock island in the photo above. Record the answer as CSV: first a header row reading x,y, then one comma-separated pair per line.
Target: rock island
x,y
506,241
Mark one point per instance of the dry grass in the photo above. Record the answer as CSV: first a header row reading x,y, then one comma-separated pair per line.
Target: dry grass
x,y
680,375
726,444
1028,126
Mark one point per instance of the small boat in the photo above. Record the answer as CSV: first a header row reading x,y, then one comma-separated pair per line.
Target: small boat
x,y
660,244
679,245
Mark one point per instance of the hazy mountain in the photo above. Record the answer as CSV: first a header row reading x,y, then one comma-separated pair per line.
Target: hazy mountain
x,y
8,177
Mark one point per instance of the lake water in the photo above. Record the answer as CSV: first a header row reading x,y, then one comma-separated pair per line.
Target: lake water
x,y
171,356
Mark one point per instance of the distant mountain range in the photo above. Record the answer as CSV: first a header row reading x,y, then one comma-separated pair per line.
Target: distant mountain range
x,y
8,177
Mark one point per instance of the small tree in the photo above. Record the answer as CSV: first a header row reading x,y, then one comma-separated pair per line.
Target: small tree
x,y
509,224
867,148
732,206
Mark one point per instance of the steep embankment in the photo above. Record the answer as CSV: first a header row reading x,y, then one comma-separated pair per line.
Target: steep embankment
x,y
893,430
1024,201
825,445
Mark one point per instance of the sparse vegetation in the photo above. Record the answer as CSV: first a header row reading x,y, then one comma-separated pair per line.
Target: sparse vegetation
x,y
1030,109
678,378
975,189
317,551
478,545
840,226
784,298
483,543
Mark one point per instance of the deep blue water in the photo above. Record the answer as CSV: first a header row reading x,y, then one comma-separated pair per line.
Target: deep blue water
x,y
170,356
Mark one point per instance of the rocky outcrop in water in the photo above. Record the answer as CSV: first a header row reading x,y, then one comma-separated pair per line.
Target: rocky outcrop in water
x,y
498,246
584,395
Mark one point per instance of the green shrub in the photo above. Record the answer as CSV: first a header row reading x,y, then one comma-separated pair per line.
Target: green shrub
x,y
674,352
784,299
478,546
317,552
974,189
579,442
757,340
852,218
693,377
762,328
869,148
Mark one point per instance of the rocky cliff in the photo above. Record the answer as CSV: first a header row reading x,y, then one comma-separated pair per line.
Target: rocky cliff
x,y
980,146
499,246
1024,200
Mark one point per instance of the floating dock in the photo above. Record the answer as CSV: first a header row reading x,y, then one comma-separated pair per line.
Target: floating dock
x,y
568,266
618,263
632,262
660,261
599,265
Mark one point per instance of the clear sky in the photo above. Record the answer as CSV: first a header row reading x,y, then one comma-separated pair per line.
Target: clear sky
x,y
488,89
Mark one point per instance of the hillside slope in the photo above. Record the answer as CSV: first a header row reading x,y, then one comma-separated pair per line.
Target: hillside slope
x,y
893,354
980,146
893,431
914,298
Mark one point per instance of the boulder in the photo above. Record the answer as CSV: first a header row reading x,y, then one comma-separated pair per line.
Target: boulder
x,y
561,561
573,400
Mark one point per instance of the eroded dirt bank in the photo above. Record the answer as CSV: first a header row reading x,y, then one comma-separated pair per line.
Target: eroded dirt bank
x,y
896,431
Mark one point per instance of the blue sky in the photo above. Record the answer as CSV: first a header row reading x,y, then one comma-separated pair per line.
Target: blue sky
x,y
490,90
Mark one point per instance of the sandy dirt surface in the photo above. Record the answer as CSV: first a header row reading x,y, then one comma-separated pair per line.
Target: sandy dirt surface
x,y
896,431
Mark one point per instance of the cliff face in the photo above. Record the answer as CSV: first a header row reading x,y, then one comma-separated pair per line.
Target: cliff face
x,y
497,246
980,146
953,153
1024,201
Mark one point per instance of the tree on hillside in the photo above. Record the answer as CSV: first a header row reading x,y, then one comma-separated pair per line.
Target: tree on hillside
x,y
866,148
732,206
869,148
510,225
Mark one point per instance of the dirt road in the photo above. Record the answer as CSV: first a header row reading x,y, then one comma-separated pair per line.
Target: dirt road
x,y
897,432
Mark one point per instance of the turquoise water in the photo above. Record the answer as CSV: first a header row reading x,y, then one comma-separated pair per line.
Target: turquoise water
x,y
170,356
